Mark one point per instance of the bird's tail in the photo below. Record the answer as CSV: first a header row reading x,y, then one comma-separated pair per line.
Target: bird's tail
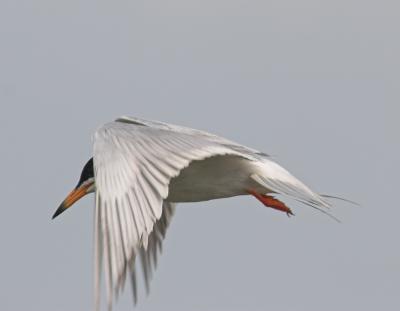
x,y
275,178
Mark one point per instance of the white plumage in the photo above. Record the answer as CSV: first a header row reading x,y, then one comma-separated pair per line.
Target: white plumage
x,y
143,167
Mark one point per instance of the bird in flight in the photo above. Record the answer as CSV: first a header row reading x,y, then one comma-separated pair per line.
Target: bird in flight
x,y
140,169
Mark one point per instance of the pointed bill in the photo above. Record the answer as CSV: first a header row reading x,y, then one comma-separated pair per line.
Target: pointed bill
x,y
74,196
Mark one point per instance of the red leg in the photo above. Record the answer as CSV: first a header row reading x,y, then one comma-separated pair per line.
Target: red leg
x,y
271,202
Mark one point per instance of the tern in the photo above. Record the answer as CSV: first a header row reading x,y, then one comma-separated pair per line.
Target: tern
x,y
140,169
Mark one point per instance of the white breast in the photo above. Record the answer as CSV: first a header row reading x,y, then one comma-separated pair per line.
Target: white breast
x,y
212,178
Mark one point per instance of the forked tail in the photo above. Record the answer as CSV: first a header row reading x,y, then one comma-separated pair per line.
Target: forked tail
x,y
278,180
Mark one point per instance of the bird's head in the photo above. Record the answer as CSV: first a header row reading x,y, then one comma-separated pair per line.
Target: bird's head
x,y
85,185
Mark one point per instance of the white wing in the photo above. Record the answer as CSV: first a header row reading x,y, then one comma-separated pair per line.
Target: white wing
x,y
194,133
148,256
134,163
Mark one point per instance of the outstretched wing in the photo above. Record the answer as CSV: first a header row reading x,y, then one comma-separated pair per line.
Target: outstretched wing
x,y
134,163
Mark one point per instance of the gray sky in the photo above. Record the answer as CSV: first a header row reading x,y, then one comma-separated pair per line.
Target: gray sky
x,y
315,83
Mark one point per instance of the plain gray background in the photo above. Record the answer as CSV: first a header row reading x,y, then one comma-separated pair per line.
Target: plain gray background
x,y
315,83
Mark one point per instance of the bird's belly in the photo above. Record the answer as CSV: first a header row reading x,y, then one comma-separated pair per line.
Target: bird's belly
x,y
212,178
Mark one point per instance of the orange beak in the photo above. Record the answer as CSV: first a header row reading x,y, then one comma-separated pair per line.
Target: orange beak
x,y
74,196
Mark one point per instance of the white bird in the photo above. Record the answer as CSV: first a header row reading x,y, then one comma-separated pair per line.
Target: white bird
x,y
141,168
